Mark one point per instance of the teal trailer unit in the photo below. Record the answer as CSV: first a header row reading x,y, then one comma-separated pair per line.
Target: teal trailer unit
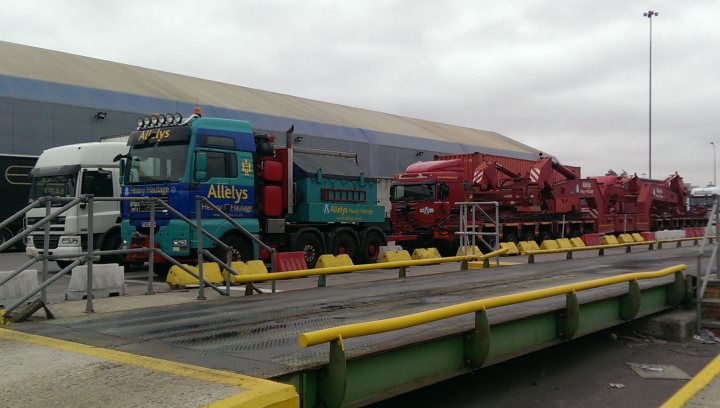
x,y
292,199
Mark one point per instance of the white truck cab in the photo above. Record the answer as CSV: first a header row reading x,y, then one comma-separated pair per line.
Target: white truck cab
x,y
703,196
70,171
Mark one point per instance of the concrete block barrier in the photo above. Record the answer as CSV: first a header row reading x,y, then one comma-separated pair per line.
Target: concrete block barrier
x,y
108,280
17,287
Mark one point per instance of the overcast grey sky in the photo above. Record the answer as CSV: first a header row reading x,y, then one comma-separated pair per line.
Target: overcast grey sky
x,y
567,77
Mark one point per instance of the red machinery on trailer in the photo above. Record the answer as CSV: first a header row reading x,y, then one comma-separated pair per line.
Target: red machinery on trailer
x,y
538,199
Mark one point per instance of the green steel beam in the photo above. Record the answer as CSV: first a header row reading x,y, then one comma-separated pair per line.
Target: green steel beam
x,y
375,377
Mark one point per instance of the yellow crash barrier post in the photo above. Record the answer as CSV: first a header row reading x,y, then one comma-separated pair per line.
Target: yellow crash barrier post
x,y
549,244
625,239
396,256
577,242
609,240
255,267
426,253
178,277
326,261
469,250
525,246
512,249
564,243
637,237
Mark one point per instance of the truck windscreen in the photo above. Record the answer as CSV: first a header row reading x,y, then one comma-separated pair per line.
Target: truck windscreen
x,y
706,201
60,185
412,192
156,163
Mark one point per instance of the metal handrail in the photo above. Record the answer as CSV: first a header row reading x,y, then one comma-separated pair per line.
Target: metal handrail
x,y
72,202
467,237
91,253
703,278
415,319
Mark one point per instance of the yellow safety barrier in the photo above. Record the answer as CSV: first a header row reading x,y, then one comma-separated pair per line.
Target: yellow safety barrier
x,y
178,277
395,256
416,319
609,240
525,246
511,247
329,260
469,250
549,244
255,267
426,253
625,239
564,243
637,237
577,242
357,268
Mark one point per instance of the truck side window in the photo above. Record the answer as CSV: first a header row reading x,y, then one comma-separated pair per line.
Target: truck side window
x,y
223,165
99,183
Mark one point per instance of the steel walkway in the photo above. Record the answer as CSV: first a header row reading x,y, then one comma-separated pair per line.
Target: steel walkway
x,y
257,335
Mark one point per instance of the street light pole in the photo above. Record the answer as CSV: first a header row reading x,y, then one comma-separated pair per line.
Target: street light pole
x,y
714,165
650,14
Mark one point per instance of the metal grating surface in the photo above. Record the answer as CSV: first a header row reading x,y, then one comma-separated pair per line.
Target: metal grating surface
x,y
258,335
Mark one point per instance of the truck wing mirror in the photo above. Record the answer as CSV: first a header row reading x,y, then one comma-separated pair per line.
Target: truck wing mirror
x,y
201,166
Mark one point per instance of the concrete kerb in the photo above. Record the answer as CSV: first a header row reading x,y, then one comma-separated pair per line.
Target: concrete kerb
x,y
252,392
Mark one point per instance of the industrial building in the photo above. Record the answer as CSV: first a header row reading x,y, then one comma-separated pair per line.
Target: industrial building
x,y
50,98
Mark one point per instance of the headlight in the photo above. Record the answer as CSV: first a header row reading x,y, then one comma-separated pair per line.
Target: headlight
x,y
69,240
179,242
178,118
140,122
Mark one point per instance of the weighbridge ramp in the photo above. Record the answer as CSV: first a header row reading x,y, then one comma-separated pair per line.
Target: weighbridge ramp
x,y
258,335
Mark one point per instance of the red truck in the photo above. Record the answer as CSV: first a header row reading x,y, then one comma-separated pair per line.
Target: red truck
x,y
538,199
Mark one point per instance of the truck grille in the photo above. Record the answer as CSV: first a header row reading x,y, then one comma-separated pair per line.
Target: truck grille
x,y
39,241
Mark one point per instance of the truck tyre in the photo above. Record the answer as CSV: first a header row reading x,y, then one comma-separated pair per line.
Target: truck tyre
x,y
63,264
544,236
510,238
241,245
110,242
311,244
345,242
162,270
5,235
372,240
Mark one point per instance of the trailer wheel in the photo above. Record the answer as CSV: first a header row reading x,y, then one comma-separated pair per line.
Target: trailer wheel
x,y
371,242
345,243
544,236
511,238
5,235
311,245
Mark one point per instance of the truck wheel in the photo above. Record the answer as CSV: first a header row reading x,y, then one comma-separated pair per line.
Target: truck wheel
x,y
239,244
112,242
5,235
544,236
345,243
162,270
63,264
311,245
371,243
511,238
